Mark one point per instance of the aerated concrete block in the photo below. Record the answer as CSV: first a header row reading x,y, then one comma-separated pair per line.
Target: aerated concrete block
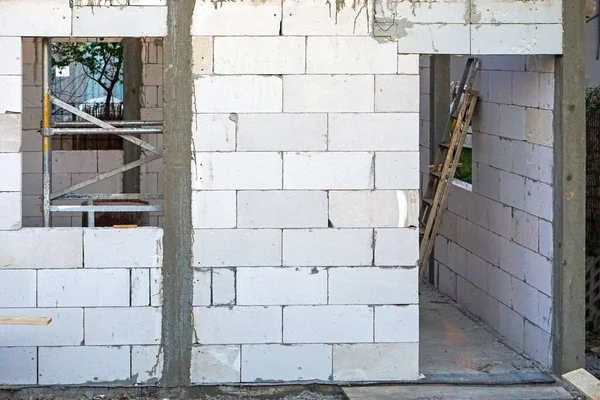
x,y
19,367
396,247
120,326
253,18
302,18
238,94
89,365
120,21
276,362
397,324
224,282
237,325
18,288
146,364
214,209
10,133
118,248
215,364
66,328
281,286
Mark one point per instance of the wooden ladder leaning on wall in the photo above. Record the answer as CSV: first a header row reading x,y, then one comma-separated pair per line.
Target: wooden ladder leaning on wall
x,y
441,173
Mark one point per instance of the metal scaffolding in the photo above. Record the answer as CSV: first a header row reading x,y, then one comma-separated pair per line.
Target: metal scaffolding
x,y
92,125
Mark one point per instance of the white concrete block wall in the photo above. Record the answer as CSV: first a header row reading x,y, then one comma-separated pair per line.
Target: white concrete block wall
x,y
71,167
304,183
494,254
106,324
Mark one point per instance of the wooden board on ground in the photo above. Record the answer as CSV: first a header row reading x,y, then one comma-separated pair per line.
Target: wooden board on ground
x,y
25,320
456,392
585,382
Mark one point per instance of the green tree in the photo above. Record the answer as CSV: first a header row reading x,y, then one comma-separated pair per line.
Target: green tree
x,y
102,62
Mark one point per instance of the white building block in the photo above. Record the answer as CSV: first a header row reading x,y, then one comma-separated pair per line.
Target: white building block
x,y
214,209
282,209
17,288
34,18
368,132
500,285
19,367
378,208
120,21
12,94
239,94
538,199
544,312
218,171
119,326
373,285
50,248
525,299
539,127
547,91
215,364
327,324
140,287
276,362
328,93
430,38
10,216
118,248
83,288
259,55
10,133
202,57
90,365
328,170
454,12
281,286
202,287
525,229
526,89
376,362
223,286
237,325
10,47
500,12
396,246
538,344
397,93
511,326
310,18
546,245
399,324
252,18
397,170
350,55
66,328
408,64
214,132
237,247
281,132
446,281
512,190
146,364
78,161
516,39
327,247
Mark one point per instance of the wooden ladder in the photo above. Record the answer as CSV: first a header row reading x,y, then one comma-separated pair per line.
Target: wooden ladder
x,y
441,173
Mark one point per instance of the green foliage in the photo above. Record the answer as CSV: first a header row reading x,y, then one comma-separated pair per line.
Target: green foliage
x,y
592,101
101,61
465,171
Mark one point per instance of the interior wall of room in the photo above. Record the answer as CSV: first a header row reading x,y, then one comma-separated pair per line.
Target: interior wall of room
x,y
494,252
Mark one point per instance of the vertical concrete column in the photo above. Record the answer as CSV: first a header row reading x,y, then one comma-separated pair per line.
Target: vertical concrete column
x,y
132,102
177,266
569,194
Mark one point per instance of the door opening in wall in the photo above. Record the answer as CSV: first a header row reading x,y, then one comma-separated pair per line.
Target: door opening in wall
x,y
101,118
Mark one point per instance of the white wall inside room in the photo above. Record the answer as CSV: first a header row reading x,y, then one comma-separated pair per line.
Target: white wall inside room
x,y
73,166
494,253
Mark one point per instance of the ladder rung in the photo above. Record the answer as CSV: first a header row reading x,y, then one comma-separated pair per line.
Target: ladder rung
x,y
445,145
436,174
428,201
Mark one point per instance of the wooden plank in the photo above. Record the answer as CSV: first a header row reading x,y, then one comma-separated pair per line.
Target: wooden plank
x,y
456,392
585,382
25,320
